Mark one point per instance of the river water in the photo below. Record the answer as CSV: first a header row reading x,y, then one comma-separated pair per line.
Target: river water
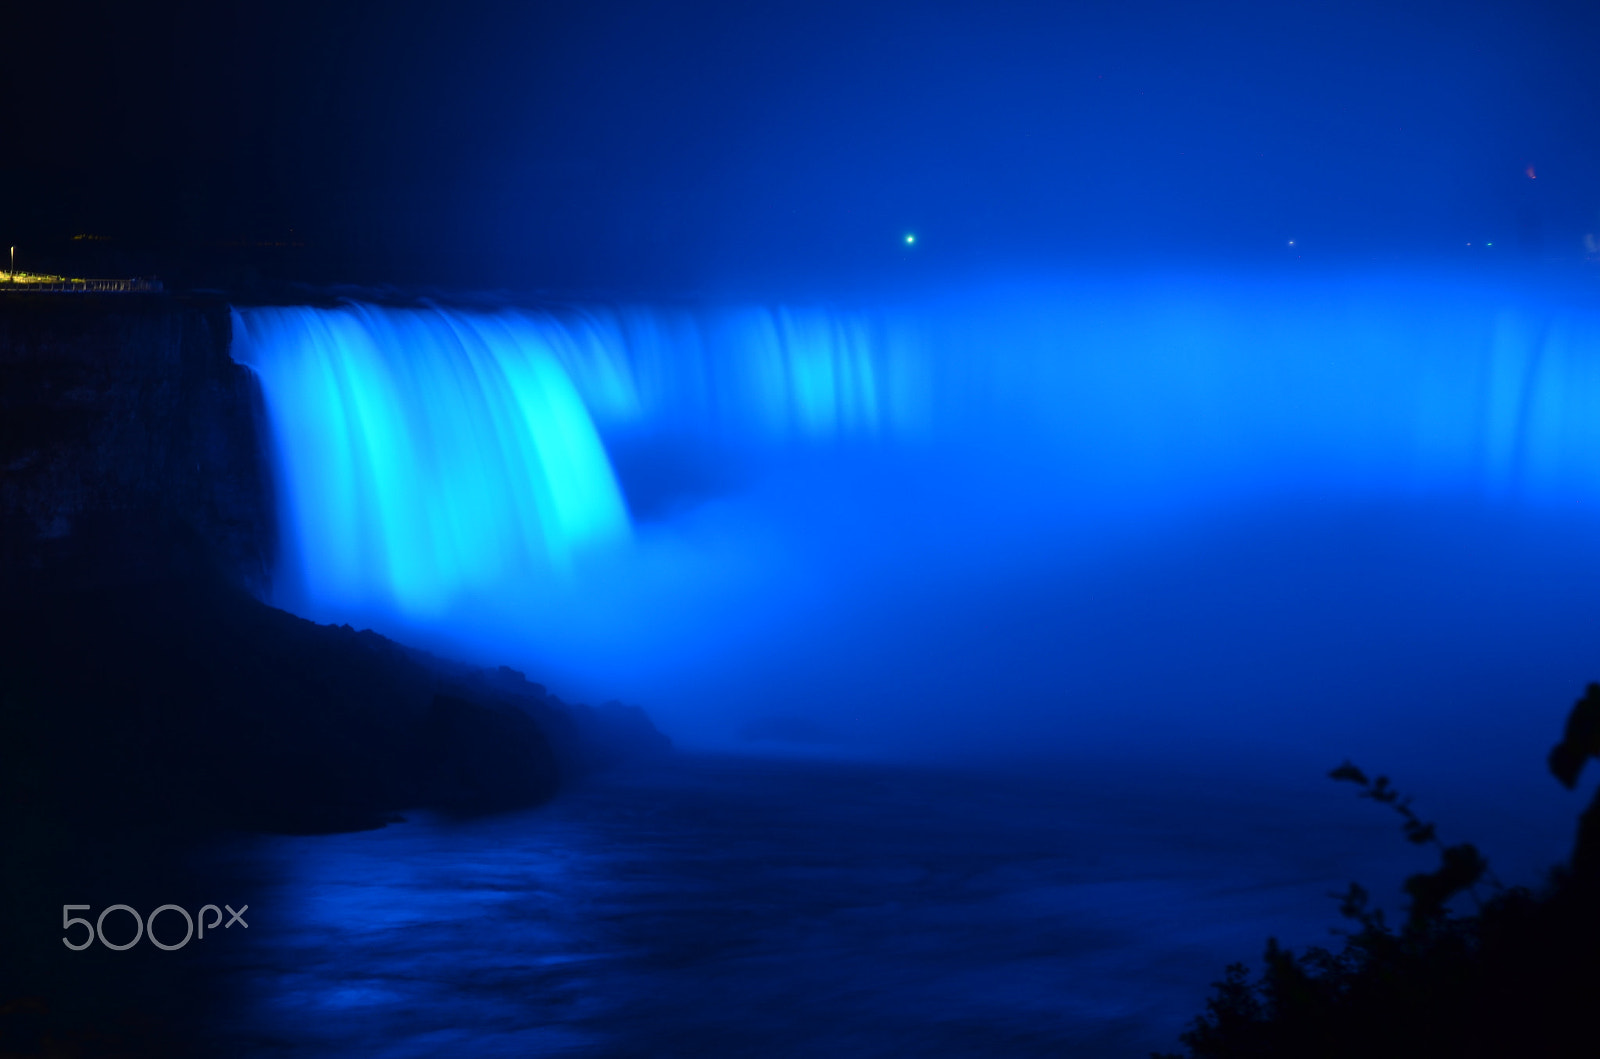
x,y
735,906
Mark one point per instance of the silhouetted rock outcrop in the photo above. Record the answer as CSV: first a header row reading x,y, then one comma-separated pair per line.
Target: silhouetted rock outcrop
x,y
179,698
123,423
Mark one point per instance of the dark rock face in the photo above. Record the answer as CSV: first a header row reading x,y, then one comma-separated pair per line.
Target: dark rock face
x,y
185,701
584,738
476,757
124,425
172,701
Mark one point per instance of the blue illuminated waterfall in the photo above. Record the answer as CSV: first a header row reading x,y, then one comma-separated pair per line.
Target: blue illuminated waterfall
x,y
429,454
487,474
426,452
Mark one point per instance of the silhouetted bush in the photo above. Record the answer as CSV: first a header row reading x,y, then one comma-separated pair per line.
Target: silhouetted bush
x,y
1519,976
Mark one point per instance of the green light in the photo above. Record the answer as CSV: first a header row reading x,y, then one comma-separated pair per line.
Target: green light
x,y
911,240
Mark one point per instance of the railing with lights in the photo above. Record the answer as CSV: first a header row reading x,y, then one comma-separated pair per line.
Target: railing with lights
x,y
23,282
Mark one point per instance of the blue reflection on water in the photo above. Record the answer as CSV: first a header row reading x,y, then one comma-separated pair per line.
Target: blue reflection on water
x,y
746,907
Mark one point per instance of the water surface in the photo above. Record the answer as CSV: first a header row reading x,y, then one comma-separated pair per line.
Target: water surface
x,y
744,906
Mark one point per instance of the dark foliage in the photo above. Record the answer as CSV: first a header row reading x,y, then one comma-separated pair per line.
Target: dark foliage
x,y
1516,977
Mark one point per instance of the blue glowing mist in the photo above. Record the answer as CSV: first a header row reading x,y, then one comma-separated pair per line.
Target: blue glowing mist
x,y
961,514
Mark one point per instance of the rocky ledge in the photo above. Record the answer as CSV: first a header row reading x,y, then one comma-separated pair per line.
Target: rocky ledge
x,y
181,699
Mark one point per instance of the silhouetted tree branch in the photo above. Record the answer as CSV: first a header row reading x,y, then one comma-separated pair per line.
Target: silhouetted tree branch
x,y
1517,978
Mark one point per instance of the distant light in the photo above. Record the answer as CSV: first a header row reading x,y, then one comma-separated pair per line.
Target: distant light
x,y
911,240
1531,174
1291,242
1488,244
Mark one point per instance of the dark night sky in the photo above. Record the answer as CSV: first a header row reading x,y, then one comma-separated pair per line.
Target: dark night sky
x,y
676,145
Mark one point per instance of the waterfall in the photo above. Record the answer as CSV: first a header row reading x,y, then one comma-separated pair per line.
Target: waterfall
x,y
498,474
425,452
